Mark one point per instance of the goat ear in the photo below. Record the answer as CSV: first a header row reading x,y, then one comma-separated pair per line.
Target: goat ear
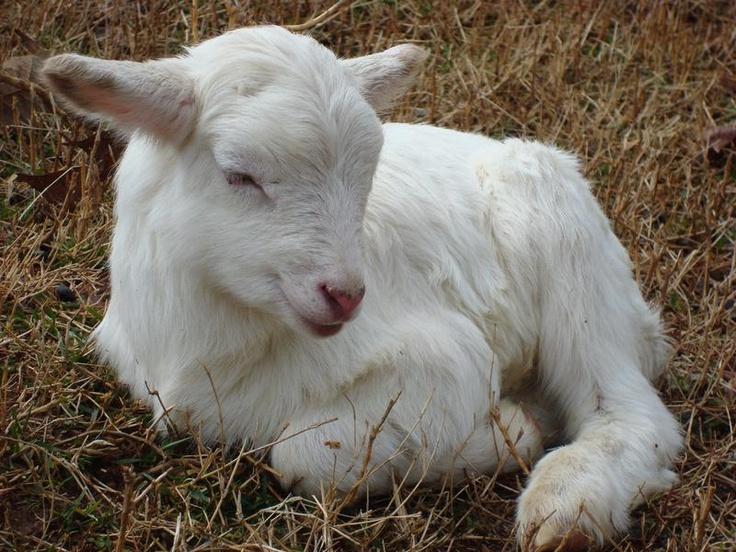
x,y
154,96
385,76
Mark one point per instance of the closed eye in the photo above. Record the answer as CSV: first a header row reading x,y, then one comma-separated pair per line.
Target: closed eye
x,y
242,180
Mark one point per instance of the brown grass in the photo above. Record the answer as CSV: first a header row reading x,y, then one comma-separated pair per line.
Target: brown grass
x,y
629,86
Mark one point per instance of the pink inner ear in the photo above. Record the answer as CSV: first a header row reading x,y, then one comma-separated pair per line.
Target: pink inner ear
x,y
99,99
136,111
133,96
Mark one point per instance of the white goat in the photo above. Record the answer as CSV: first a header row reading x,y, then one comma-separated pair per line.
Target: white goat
x,y
260,198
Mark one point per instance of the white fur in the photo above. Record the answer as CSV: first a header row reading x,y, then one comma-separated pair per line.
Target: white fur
x,y
495,288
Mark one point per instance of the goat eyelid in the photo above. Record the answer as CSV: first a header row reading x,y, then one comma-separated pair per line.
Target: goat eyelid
x,y
241,180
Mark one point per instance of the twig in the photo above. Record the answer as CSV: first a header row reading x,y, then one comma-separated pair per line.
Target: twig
x,y
23,84
375,430
509,443
325,17
127,508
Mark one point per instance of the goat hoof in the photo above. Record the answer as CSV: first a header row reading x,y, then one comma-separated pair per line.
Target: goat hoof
x,y
572,542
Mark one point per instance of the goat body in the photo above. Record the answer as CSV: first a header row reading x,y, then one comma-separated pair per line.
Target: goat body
x,y
289,271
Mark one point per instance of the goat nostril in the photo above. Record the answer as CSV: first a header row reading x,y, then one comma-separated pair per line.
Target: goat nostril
x,y
345,301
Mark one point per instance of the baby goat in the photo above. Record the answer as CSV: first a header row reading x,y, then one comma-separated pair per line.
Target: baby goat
x,y
375,301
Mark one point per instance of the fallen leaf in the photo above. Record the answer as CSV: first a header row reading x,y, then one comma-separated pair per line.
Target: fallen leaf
x,y
106,150
20,74
31,44
720,137
15,104
61,187
26,67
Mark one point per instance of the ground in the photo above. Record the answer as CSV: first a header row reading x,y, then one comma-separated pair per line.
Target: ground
x,y
642,92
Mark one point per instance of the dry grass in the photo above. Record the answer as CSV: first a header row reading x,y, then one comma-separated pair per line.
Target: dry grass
x,y
629,86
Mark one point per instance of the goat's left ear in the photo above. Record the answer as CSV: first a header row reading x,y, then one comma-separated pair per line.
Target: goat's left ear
x,y
385,76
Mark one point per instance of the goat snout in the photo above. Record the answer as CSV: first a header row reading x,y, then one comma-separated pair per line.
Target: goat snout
x,y
344,303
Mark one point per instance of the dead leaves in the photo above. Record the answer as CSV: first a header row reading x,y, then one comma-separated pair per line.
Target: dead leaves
x,y
58,187
63,187
26,105
19,82
17,90
105,148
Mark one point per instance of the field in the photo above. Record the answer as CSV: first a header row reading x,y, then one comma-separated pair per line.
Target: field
x,y
643,92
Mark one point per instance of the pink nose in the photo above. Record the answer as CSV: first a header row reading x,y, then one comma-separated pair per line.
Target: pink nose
x,y
344,303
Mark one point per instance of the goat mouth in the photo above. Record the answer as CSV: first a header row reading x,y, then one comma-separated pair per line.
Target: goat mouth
x,y
322,330
319,329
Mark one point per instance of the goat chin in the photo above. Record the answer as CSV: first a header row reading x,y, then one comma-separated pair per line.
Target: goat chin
x,y
470,298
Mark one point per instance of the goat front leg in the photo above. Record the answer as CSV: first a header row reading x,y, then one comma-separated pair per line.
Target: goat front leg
x,y
598,345
620,457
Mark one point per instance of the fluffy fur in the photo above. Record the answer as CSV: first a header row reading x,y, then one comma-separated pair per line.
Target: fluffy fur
x,y
259,199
